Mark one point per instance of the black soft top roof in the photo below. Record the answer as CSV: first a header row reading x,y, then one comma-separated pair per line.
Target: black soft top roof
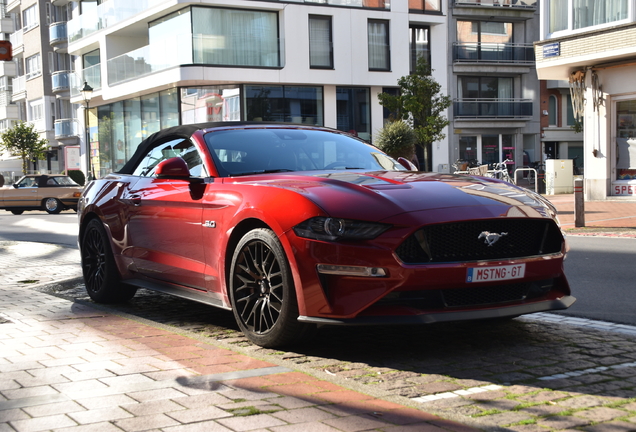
x,y
183,131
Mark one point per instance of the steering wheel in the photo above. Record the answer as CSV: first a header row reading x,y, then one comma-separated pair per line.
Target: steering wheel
x,y
335,164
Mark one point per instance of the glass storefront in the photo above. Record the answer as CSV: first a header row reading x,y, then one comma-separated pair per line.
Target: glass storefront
x,y
284,104
353,111
626,140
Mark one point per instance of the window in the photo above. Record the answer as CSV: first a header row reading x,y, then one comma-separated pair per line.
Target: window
x,y
425,6
320,42
33,66
36,110
353,112
233,37
485,87
626,140
294,104
174,148
213,103
420,47
570,121
552,110
582,14
378,41
484,32
30,17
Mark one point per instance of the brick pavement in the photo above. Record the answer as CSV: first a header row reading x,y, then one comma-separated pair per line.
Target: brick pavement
x,y
69,366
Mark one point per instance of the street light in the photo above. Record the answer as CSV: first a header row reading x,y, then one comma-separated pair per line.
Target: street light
x,y
87,93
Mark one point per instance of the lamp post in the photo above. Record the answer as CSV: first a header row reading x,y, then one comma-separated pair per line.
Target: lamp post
x,y
87,93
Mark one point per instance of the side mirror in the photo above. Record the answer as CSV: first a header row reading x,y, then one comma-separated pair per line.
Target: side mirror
x,y
407,164
173,168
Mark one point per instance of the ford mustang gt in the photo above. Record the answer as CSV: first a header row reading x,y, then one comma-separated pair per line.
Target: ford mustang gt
x,y
292,227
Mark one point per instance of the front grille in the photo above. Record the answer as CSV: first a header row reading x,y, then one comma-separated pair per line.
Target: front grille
x,y
478,295
460,241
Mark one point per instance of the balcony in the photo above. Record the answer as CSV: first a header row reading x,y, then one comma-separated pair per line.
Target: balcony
x,y
92,75
60,2
6,25
7,124
375,4
57,34
8,68
60,81
492,109
106,15
66,129
5,97
9,112
513,4
475,52
17,42
19,88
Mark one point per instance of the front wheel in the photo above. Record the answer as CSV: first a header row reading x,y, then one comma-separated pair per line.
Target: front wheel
x,y
262,291
101,276
52,205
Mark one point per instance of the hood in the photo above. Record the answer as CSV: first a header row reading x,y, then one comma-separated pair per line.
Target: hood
x,y
351,194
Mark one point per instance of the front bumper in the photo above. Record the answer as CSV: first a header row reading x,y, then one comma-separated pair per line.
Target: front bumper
x,y
439,317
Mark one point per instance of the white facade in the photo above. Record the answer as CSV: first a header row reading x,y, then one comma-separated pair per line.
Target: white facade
x,y
105,52
596,42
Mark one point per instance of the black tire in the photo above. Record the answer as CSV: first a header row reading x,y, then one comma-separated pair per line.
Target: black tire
x,y
101,276
17,212
262,293
52,205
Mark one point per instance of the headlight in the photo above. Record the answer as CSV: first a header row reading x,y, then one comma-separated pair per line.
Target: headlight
x,y
331,229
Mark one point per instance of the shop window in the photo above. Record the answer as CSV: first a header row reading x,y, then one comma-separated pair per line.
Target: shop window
x,y
353,112
626,140
294,104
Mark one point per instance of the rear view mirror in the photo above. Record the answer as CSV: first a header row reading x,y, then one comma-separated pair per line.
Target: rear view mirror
x,y
407,164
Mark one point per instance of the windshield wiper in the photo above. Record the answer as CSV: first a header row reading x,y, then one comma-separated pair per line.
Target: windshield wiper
x,y
263,171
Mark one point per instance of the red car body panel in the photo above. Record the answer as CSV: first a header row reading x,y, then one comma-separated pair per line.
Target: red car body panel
x,y
179,232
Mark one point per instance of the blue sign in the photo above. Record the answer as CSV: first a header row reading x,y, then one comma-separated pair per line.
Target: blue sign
x,y
552,50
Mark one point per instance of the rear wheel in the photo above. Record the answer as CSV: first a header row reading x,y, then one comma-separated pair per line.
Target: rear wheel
x,y
262,291
52,205
101,276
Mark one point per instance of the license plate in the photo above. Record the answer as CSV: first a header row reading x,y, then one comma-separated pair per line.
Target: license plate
x,y
499,273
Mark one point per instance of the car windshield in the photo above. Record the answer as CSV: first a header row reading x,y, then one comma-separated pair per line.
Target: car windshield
x,y
62,181
252,151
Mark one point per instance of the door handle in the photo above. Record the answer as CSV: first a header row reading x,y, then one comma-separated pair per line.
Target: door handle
x,y
136,199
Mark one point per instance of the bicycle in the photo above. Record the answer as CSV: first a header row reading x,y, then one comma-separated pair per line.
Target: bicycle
x,y
500,171
538,166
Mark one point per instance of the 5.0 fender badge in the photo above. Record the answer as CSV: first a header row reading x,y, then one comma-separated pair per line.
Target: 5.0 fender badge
x,y
490,238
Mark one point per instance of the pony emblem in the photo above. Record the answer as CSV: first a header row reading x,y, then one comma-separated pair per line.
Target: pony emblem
x,y
490,238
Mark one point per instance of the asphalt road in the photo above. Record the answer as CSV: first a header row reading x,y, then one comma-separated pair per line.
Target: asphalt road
x,y
600,269
602,274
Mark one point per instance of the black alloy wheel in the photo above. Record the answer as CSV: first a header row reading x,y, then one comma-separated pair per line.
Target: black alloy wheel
x,y
101,276
262,291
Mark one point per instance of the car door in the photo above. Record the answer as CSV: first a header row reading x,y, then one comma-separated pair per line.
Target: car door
x,y
24,195
164,219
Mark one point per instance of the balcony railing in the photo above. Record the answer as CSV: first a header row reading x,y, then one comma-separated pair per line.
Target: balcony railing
x,y
19,85
57,33
60,81
17,39
521,4
381,4
492,108
186,49
5,97
106,15
92,75
474,52
65,128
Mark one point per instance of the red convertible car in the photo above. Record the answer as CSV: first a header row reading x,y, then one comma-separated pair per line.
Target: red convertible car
x,y
293,226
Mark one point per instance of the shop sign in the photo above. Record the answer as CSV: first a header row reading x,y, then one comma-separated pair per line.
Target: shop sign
x,y
624,189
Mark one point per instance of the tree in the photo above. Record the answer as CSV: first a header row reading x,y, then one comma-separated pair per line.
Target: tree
x,y
420,103
21,140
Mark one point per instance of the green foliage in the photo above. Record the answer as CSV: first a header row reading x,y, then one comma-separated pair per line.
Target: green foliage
x,y
577,126
77,176
397,139
21,140
420,103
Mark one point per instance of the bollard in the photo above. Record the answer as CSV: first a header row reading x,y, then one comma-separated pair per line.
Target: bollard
x,y
579,204
541,181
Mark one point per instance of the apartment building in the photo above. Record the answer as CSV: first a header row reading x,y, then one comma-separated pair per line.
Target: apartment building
x,y
26,91
590,46
493,81
158,63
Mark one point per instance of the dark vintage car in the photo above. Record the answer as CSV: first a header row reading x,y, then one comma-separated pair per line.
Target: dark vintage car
x,y
52,193
292,227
